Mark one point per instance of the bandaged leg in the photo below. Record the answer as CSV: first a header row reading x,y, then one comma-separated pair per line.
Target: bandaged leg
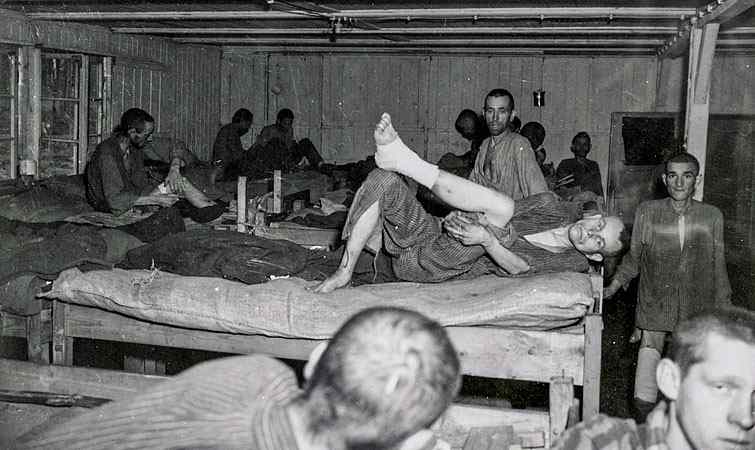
x,y
645,386
457,192
392,154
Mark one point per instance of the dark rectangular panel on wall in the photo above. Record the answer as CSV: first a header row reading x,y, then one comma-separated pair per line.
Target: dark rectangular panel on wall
x,y
730,185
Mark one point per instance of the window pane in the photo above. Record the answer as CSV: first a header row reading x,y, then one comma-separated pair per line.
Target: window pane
x,y
56,158
60,77
6,74
5,146
59,119
5,116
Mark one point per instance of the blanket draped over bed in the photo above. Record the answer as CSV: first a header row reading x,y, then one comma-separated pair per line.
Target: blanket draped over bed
x,y
286,308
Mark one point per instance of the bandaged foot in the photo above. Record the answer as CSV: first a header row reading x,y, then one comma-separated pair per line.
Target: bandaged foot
x,y
392,154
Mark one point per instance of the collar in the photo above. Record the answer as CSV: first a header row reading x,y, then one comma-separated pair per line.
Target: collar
x,y
683,212
555,240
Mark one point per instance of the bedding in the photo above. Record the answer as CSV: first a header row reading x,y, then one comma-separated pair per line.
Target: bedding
x,y
286,308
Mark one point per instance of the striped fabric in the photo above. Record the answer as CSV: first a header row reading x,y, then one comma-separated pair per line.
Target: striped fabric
x,y
422,252
609,433
231,403
675,283
509,166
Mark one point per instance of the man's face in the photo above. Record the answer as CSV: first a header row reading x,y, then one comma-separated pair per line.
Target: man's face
x,y
714,406
581,146
497,114
680,179
140,138
597,234
244,127
287,123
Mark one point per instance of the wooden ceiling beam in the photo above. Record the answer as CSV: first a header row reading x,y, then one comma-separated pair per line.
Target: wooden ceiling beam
x,y
408,14
719,11
601,30
429,42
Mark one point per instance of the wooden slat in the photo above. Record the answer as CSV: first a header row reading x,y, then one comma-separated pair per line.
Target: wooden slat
x,y
489,352
12,325
529,425
592,355
111,384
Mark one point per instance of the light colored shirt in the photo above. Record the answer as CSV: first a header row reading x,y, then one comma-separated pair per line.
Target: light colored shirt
x,y
507,164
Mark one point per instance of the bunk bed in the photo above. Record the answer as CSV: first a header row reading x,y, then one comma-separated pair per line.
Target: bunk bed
x,y
517,328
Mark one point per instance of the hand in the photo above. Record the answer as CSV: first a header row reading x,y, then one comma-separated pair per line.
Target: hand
x,y
636,336
611,289
467,230
174,181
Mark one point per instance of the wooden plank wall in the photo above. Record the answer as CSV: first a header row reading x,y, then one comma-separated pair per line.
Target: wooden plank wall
x,y
243,80
145,81
197,104
426,92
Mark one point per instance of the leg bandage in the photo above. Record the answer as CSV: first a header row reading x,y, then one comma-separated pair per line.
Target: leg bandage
x,y
645,386
397,157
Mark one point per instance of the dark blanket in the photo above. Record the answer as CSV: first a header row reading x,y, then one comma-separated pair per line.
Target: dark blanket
x,y
226,254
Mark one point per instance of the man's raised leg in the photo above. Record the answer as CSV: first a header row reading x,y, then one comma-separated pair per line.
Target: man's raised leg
x,y
392,154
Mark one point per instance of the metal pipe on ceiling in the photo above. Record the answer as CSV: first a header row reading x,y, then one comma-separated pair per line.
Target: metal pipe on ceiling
x,y
432,42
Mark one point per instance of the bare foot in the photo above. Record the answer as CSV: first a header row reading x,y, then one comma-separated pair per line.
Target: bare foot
x,y
339,279
384,131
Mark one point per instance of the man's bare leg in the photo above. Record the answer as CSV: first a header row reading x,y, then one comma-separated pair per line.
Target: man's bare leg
x,y
392,154
360,233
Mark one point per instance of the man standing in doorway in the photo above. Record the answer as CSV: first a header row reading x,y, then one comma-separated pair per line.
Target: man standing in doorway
x,y
678,252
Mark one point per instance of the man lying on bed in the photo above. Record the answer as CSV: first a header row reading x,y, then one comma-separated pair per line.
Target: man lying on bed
x,y
489,233
385,377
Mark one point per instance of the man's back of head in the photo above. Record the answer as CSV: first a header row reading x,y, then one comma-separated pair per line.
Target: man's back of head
x,y
386,374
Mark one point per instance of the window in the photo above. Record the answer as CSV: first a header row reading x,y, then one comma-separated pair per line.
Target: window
x,y
72,111
8,108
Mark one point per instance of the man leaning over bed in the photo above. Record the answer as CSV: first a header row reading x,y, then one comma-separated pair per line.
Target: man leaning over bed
x,y
490,232
384,378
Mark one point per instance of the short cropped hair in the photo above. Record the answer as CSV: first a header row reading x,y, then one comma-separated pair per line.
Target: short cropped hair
x,y
285,113
581,134
133,118
687,341
242,115
534,132
499,92
683,158
466,116
625,238
347,398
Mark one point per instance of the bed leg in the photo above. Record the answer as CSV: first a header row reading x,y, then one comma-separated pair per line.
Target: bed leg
x,y
560,400
62,345
38,337
591,387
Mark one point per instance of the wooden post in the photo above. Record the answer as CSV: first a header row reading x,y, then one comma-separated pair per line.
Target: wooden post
x,y
702,46
38,337
277,191
241,205
591,374
560,400
62,345
80,160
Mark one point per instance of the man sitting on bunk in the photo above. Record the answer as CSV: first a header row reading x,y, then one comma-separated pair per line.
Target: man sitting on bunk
x,y
385,377
116,179
473,241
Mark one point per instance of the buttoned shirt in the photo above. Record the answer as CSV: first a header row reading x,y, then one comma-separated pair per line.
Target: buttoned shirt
x,y
675,280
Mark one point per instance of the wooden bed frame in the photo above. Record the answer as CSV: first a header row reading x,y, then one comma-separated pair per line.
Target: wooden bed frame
x,y
573,354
